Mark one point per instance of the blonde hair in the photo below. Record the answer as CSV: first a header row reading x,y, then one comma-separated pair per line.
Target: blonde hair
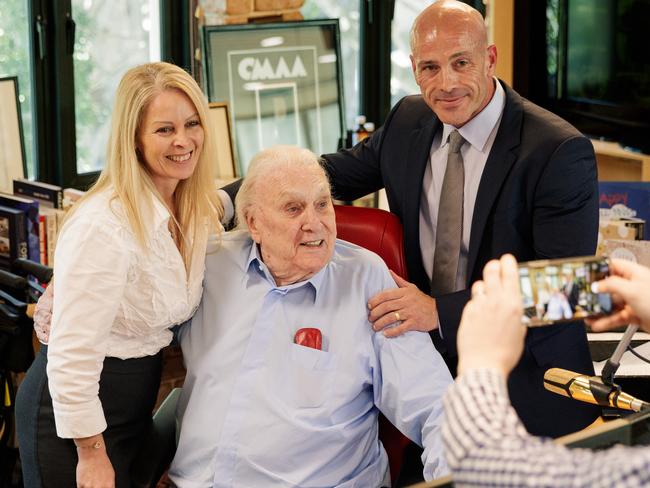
x,y
198,207
274,160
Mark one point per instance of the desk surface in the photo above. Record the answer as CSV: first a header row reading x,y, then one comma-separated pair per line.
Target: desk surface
x,y
630,364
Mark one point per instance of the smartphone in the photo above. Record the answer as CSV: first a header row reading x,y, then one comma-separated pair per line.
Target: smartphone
x,y
560,290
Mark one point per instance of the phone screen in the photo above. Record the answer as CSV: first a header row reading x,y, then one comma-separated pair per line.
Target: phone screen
x,y
559,290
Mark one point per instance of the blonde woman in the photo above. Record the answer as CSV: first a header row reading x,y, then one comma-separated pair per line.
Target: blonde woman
x,y
129,265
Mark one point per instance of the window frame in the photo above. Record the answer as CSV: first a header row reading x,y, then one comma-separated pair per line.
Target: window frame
x,y
376,17
51,32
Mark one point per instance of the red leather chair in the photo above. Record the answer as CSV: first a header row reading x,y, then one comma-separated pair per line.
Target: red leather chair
x,y
380,232
376,230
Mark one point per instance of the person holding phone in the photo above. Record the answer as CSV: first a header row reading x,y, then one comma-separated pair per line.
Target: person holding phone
x,y
129,265
485,441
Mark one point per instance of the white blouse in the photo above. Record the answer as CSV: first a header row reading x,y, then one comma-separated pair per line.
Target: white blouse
x,y
112,298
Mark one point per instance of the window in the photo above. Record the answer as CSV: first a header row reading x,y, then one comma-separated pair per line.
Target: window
x,y
347,11
103,51
15,60
402,82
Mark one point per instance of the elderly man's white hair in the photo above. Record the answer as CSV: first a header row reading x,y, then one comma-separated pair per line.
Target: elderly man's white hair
x,y
267,165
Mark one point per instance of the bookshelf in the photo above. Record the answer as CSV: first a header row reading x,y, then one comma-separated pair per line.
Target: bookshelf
x,y
618,164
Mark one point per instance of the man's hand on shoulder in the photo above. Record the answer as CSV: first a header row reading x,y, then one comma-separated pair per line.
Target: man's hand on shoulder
x,y
407,306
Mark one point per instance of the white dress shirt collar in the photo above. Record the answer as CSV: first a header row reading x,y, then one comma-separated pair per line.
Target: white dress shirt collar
x,y
477,131
159,212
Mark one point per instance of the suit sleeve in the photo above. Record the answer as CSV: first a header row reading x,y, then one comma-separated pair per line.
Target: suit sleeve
x,y
357,172
450,309
564,221
565,214
232,188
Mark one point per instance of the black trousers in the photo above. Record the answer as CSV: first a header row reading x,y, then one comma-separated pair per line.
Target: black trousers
x,y
127,391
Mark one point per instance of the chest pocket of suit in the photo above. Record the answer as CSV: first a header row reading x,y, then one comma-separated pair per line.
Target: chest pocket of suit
x,y
307,377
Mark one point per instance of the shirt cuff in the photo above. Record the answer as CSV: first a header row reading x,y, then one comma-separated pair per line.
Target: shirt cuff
x,y
228,207
82,420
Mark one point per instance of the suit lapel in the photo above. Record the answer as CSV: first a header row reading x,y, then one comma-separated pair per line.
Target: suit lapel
x,y
502,156
417,158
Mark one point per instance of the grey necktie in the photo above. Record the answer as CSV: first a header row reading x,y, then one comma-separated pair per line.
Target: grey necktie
x,y
449,230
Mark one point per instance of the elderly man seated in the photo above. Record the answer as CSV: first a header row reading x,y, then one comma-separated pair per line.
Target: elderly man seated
x,y
259,409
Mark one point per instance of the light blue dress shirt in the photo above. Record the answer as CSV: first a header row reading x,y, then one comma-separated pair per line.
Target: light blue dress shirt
x,y
258,410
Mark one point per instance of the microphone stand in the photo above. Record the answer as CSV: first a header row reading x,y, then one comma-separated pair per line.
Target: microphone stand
x,y
612,364
597,390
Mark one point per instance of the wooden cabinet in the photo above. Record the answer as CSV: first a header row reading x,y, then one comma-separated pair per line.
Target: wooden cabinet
x,y
618,164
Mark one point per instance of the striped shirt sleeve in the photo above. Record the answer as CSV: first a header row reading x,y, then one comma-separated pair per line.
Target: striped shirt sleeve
x,y
487,445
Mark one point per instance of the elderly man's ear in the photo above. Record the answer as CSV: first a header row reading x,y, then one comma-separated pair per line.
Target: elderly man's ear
x,y
251,223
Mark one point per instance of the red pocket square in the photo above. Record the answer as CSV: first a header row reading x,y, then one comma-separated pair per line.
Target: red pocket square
x,y
309,337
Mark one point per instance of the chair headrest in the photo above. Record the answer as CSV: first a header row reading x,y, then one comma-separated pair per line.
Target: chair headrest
x,y
377,230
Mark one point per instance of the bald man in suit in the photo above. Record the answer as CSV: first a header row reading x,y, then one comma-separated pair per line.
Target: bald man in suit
x,y
530,189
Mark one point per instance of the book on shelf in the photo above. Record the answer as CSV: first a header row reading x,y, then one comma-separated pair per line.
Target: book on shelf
x,y
42,239
13,236
70,197
628,200
50,202
53,222
30,207
48,195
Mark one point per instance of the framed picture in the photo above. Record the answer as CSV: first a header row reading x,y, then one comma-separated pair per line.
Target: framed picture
x,y
225,167
12,146
282,82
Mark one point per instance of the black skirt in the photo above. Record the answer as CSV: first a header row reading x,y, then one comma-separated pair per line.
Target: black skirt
x,y
127,391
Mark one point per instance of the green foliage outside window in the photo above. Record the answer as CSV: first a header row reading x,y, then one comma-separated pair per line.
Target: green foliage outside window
x,y
15,61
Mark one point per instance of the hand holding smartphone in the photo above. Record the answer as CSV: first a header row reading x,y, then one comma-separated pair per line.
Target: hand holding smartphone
x,y
560,290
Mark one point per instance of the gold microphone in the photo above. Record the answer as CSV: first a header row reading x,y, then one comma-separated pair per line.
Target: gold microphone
x,y
590,389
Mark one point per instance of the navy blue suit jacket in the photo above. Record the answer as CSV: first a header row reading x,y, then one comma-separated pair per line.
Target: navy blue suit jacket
x,y
538,198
